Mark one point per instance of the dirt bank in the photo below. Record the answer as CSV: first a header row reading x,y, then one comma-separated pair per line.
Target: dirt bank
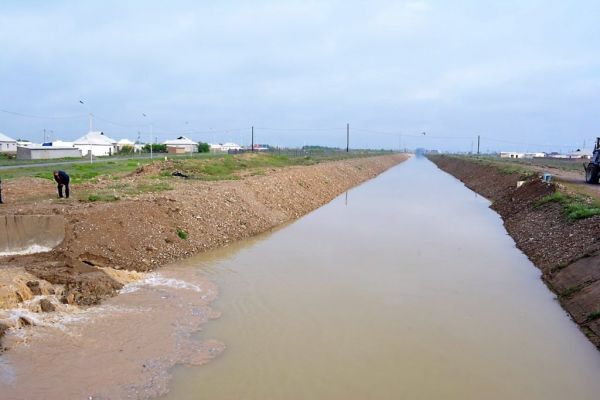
x,y
144,231
565,250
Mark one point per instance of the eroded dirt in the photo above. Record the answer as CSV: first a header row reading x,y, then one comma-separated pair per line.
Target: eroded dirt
x,y
140,233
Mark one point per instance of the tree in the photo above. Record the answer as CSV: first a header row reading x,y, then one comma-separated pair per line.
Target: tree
x,y
156,148
203,147
126,149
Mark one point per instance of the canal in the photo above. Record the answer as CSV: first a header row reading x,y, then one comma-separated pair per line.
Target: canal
x,y
407,286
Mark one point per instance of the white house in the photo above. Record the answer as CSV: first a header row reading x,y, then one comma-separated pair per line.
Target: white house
x,y
511,154
96,142
125,142
534,155
7,144
215,147
25,143
581,154
230,146
183,142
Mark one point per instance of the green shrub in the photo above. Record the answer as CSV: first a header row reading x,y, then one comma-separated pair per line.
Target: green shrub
x,y
575,207
594,316
203,147
126,149
156,148
182,234
102,197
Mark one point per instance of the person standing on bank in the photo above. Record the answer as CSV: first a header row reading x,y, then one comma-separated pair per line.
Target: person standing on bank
x,y
1,202
62,179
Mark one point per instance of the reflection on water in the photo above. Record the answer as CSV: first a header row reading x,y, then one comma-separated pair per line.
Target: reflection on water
x,y
413,290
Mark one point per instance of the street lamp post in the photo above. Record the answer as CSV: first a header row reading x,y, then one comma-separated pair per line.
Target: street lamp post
x,y
90,116
151,135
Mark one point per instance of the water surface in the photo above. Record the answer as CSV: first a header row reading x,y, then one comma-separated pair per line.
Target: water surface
x,y
406,287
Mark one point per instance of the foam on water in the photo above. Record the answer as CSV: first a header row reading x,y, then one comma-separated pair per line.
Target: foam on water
x,y
156,280
64,316
28,250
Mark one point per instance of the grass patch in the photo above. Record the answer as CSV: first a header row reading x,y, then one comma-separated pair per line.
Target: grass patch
x,y
142,187
228,167
570,291
102,197
182,234
575,207
205,166
594,316
117,190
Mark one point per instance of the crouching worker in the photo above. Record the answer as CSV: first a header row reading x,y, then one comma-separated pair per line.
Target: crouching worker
x,y
62,179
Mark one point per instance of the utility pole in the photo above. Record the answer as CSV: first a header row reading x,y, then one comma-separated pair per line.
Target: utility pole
x,y
90,115
252,148
478,142
151,133
347,137
44,135
151,140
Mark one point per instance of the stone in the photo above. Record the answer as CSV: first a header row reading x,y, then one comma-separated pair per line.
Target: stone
x,y
35,288
46,305
3,329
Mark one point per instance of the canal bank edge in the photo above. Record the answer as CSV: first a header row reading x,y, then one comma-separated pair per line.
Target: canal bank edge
x,y
566,251
105,241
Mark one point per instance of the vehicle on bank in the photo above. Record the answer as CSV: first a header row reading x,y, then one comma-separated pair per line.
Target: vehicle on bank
x,y
592,169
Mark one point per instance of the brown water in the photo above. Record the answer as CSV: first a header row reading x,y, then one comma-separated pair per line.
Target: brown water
x,y
408,287
25,234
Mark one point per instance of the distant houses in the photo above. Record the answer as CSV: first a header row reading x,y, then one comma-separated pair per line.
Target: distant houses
x,y
96,142
181,145
125,143
513,154
581,154
7,144
235,148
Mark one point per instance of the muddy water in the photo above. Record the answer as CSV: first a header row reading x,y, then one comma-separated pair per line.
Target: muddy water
x,y
406,287
26,234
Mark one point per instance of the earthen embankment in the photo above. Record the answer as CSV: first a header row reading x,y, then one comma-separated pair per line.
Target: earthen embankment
x,y
143,232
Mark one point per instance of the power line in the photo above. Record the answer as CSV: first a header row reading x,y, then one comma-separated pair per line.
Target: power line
x,y
302,129
41,116
490,139
421,135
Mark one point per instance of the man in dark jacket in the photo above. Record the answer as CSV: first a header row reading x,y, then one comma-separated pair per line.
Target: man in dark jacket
x,y
1,202
62,179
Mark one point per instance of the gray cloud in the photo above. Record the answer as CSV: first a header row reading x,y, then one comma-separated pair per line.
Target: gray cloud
x,y
522,72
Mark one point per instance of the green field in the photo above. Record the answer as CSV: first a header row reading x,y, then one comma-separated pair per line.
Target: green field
x,y
204,166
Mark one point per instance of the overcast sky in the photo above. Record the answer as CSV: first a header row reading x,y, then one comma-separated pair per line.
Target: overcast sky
x,y
515,71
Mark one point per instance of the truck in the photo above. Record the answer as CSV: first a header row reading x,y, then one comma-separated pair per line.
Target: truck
x,y
592,169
